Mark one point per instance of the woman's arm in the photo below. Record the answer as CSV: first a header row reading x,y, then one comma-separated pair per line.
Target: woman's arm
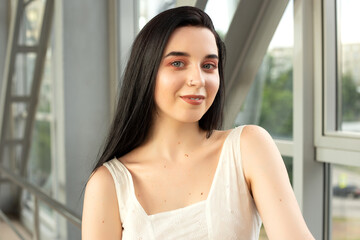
x,y
269,184
101,219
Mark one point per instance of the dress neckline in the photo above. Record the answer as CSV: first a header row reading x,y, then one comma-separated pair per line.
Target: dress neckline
x,y
132,187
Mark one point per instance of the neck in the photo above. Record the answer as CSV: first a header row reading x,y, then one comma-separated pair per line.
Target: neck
x,y
172,140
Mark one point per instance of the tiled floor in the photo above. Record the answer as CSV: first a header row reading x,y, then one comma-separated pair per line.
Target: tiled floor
x,y
6,233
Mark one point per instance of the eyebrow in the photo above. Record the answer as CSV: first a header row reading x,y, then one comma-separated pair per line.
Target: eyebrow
x,y
188,55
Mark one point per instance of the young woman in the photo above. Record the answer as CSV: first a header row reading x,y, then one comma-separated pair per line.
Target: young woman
x,y
166,171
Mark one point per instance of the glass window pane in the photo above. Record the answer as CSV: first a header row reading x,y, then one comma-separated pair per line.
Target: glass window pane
x,y
348,65
23,75
263,235
31,24
39,167
221,13
269,102
289,167
40,159
345,201
40,170
149,8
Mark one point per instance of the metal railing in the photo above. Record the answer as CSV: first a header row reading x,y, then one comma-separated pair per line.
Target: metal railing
x,y
38,195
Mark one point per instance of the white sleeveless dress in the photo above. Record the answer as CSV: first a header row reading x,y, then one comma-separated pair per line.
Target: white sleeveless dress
x,y
229,212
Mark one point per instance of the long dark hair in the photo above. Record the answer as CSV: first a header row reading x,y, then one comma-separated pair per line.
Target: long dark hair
x,y
136,106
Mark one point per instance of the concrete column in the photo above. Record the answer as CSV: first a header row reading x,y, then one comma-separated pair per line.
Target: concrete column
x,y
6,192
85,86
308,174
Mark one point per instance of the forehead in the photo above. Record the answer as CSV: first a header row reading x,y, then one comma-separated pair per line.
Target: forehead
x,y
190,38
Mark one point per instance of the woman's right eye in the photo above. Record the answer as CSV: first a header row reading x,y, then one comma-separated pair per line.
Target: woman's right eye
x,y
177,64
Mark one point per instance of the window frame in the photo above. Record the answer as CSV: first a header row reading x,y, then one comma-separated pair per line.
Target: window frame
x,y
329,142
332,147
52,224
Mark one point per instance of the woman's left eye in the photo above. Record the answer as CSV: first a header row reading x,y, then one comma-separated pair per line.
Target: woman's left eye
x,y
209,66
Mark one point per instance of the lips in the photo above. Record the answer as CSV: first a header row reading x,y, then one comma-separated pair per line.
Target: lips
x,y
193,99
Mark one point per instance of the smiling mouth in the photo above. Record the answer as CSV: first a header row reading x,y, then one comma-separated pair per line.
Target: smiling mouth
x,y
193,99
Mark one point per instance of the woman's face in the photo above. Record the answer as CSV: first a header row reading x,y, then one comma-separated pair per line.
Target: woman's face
x,y
188,79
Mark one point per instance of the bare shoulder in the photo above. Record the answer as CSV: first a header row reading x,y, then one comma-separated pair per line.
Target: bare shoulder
x,y
258,151
253,134
101,218
100,183
100,176
256,140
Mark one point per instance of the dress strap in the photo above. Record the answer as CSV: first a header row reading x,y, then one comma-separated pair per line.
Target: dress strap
x,y
122,184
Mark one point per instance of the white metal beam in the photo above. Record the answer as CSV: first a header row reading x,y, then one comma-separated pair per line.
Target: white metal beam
x,y
8,73
286,148
201,4
343,157
247,40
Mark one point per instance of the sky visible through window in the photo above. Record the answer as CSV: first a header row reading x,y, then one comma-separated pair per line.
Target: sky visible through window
x,y
282,38
349,17
348,11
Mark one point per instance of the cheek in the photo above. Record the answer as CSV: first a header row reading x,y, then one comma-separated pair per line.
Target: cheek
x,y
166,87
164,84
213,86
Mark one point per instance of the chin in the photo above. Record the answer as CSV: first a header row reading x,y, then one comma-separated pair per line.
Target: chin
x,y
190,117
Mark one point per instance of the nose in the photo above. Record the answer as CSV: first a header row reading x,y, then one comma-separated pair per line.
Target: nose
x,y
196,77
